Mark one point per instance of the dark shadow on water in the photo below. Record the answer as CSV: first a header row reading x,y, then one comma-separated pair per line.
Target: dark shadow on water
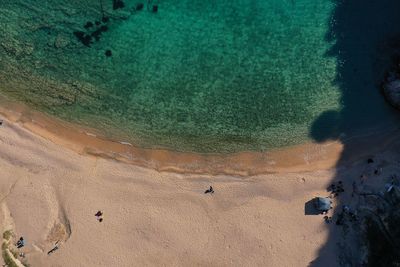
x,y
364,36
326,126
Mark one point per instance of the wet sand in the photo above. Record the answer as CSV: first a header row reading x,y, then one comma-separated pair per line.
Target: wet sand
x,y
305,157
85,141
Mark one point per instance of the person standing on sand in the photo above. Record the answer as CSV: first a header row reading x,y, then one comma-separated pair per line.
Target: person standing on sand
x,y
98,214
20,242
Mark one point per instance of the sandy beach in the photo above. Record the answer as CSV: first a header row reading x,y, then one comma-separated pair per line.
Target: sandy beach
x,y
150,217
51,188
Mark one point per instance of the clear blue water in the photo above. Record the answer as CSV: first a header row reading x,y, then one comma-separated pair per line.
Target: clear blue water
x,y
199,75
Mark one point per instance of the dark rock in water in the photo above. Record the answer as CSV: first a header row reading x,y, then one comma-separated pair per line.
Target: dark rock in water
x,y
391,90
88,25
155,9
97,33
85,39
108,53
118,4
79,34
105,19
97,23
103,28
139,6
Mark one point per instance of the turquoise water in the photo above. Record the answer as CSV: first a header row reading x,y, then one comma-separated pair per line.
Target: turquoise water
x,y
199,75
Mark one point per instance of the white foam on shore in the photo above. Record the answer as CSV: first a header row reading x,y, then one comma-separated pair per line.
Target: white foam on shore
x,y
125,143
120,142
90,134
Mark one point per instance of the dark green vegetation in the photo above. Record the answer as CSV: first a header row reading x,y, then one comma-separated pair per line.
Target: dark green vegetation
x,y
8,260
6,257
7,234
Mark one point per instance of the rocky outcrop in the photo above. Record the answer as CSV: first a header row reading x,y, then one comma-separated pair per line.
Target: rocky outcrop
x,y
391,89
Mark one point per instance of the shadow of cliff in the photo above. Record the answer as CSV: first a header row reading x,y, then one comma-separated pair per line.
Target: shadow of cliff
x,y
365,40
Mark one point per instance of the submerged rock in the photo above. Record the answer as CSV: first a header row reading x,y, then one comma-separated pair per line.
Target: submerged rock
x,y
61,41
118,4
85,39
88,25
391,90
139,7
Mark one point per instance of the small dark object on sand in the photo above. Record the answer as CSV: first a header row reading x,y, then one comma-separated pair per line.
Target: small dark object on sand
x,y
108,53
155,9
139,6
378,171
88,25
210,190
53,249
335,189
98,216
327,219
1,122
370,161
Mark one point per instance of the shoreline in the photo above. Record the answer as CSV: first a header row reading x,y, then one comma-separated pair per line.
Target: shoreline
x,y
299,158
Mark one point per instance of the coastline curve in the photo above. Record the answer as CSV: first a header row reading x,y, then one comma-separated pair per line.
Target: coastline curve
x,y
299,158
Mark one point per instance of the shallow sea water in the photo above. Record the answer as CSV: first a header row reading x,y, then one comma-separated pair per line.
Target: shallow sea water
x,y
199,75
